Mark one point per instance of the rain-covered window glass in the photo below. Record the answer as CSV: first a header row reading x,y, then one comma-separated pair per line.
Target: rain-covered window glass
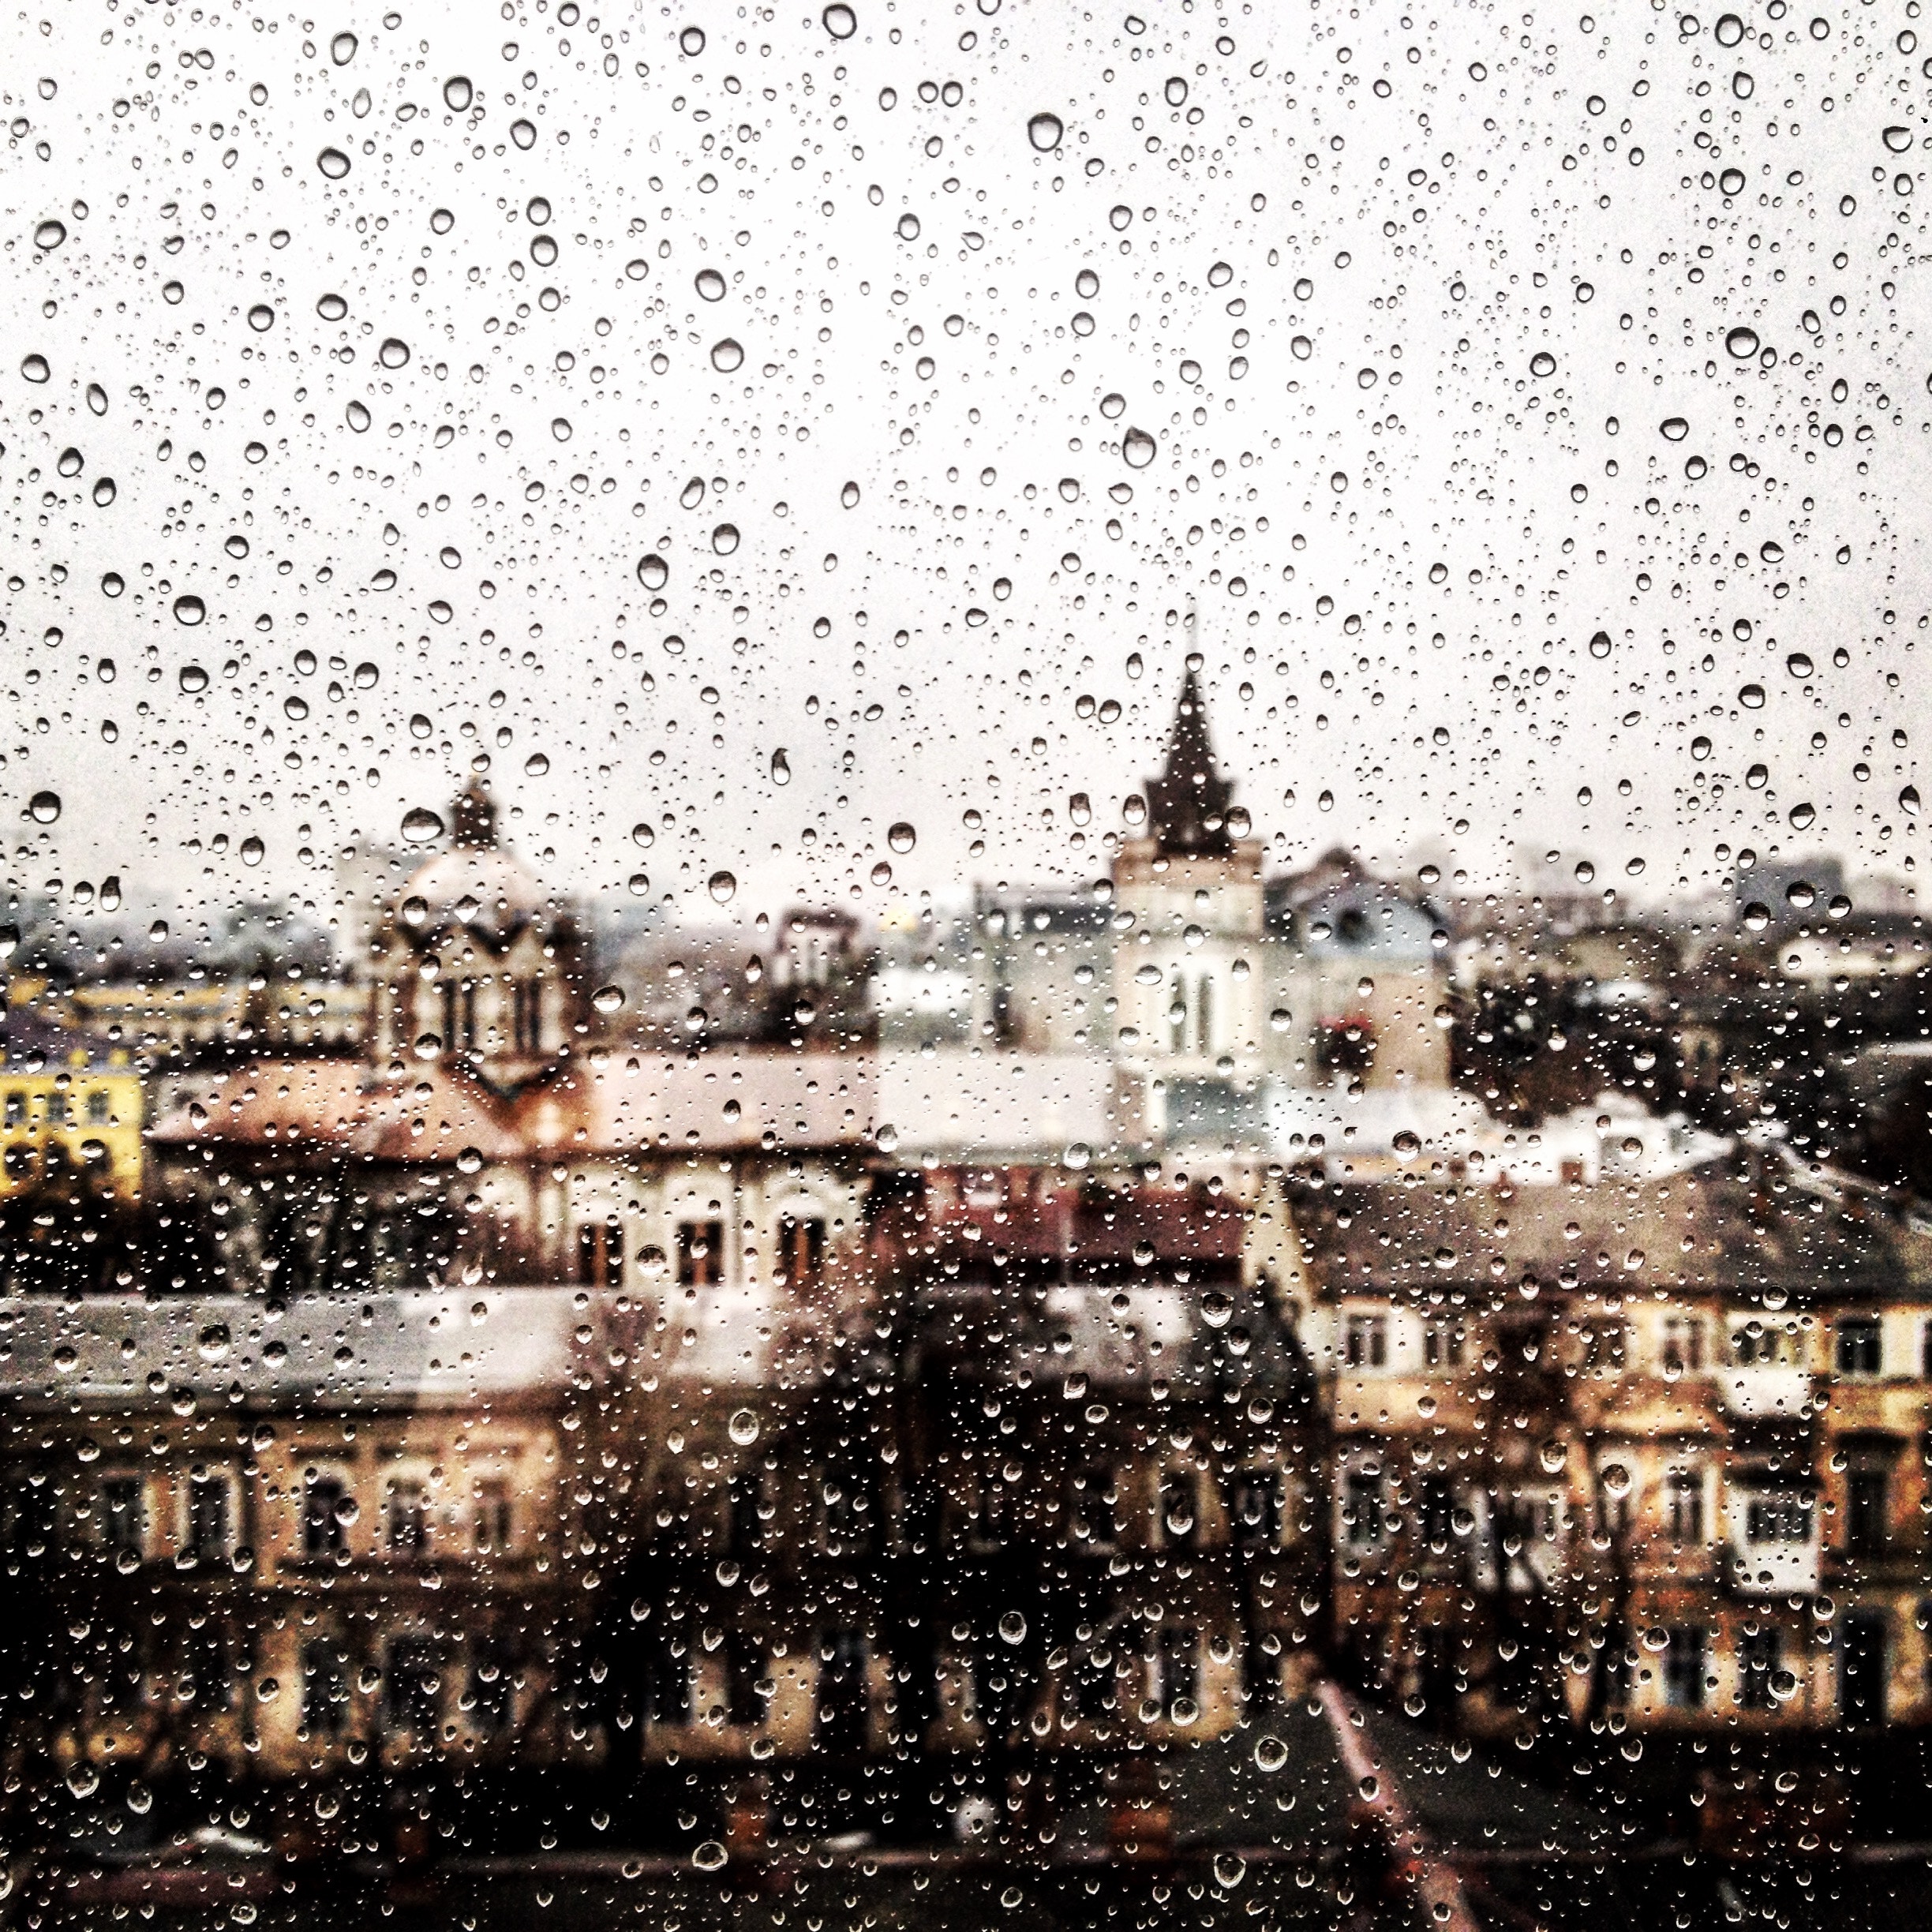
x,y
961,965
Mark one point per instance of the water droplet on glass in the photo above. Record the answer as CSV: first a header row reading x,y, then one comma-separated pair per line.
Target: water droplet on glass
x,y
1802,817
251,851
1898,140
607,999
1674,429
1138,449
1752,697
35,368
189,610
420,826
1174,91
727,355
394,352
44,807
691,41
1013,1628
341,49
724,539
523,133
1542,364
536,766
841,22
49,234
744,1427
710,1856
458,93
908,227
333,162
781,768
1799,664
902,838
1270,1754
561,429
1742,342
1731,181
1044,131
1908,801
710,285
721,885
261,318
652,571
68,462
358,416
1230,1869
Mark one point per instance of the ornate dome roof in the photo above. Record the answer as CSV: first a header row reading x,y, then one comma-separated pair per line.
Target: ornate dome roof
x,y
476,883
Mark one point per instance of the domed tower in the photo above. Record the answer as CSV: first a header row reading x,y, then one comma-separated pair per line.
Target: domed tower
x,y
472,962
1193,883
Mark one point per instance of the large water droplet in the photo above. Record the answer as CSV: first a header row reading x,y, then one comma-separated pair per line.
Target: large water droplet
x,y
710,285
1138,449
193,680
721,885
607,999
908,226
711,1855
902,838
358,416
1542,364
727,355
1013,1628
1908,801
1674,429
1752,697
420,826
849,496
261,318
251,850
458,93
333,162
724,539
341,49
653,571
49,234
781,768
1270,1754
841,22
394,352
691,41
1799,664
67,463
44,807
188,609
744,1427
34,368
1742,342
1045,131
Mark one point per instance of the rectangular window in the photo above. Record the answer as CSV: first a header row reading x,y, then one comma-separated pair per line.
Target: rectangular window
x,y
15,1109
123,1505
1365,1342
1605,1344
1256,1502
801,1250
601,1253
57,1107
1778,1516
1091,1500
700,1253
1861,1346
1442,1342
1435,1514
748,1508
1757,1669
100,1107
209,1528
324,1687
1686,1667
413,1697
1867,1494
1683,1344
209,1677
1683,1504
324,1533
406,1519
1361,1507
491,1518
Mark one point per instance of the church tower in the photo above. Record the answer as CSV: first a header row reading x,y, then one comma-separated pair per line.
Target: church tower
x,y
1188,974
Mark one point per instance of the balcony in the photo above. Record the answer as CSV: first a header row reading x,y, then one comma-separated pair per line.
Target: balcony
x,y
1761,1392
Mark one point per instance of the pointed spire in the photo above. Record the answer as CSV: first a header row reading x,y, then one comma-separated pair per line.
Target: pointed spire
x,y
472,818
1188,803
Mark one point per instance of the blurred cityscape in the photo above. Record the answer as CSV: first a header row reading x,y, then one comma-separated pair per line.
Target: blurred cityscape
x,y
1412,1397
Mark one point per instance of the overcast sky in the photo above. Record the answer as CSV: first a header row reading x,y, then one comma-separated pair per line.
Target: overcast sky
x,y
1414,362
